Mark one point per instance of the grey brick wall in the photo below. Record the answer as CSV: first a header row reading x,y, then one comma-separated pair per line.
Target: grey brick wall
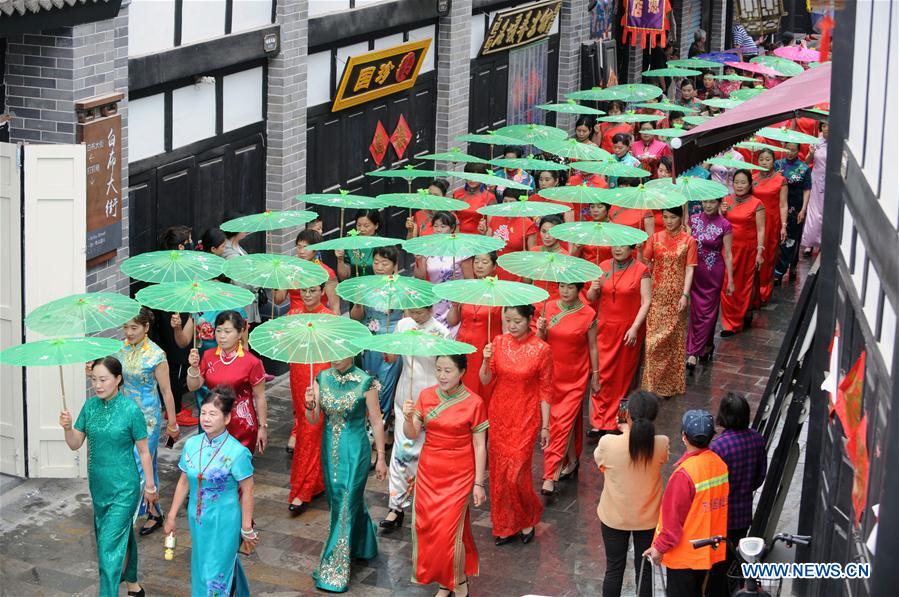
x,y
717,33
286,127
574,27
46,73
634,64
453,68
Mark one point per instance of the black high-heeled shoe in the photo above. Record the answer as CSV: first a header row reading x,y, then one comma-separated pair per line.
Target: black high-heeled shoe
x,y
390,525
690,365
571,473
547,492
504,540
157,520
528,537
295,509
140,593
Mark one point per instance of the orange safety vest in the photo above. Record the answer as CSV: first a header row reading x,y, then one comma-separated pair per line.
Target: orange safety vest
x,y
707,516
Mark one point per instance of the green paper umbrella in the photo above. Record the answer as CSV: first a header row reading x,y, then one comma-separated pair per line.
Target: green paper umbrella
x,y
490,138
694,63
631,92
454,155
726,162
599,234
739,78
490,292
528,163
756,146
611,167
631,116
388,293
309,338
523,208
670,133
456,244
746,94
343,200
269,220
549,267
671,72
696,120
173,266
571,107
531,133
492,180
785,135
354,241
80,314
59,352
422,200
694,189
194,297
572,149
665,106
644,197
785,67
409,173
574,194
416,343
275,271
819,111
721,103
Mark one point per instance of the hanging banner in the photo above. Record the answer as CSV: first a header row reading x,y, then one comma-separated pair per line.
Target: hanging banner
x,y
519,26
646,22
99,128
380,73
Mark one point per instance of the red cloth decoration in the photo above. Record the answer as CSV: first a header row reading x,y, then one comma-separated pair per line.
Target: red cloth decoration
x,y
826,25
849,396
857,450
378,147
401,137
646,22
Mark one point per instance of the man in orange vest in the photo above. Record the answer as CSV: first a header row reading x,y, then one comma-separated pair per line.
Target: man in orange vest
x,y
694,506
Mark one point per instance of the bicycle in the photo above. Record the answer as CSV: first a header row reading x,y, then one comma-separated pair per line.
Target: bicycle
x,y
752,550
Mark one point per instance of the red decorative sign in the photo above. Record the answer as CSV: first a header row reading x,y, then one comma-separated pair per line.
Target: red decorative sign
x,y
857,450
401,137
646,22
378,147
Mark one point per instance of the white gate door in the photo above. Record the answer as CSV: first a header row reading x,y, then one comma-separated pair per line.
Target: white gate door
x,y
55,243
12,421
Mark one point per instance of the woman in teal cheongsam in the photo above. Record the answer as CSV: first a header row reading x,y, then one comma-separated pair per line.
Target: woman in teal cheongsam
x,y
113,426
146,374
214,465
384,262
358,262
344,394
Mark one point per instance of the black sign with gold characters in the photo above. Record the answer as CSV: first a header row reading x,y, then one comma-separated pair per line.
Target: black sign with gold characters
x,y
376,74
520,26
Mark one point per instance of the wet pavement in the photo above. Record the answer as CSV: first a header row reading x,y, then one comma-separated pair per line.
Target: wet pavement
x,y
48,545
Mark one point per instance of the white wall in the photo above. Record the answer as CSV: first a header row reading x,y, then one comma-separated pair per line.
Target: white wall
x,y
389,41
202,19
478,31
146,127
241,99
318,78
319,7
193,113
429,32
249,14
151,26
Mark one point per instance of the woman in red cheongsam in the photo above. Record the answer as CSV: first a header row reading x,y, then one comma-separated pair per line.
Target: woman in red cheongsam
x,y
522,365
230,365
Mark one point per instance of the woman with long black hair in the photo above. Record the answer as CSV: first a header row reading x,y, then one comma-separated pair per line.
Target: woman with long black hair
x,y
632,492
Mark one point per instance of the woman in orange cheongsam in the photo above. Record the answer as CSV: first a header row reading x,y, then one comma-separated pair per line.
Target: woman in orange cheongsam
x,y
672,253
623,293
771,189
569,327
519,411
452,467
478,324
746,215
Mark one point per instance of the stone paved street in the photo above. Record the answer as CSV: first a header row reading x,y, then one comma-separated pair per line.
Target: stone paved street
x,y
48,544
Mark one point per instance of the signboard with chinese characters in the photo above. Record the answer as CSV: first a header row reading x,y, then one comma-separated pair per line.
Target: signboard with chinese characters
x,y
519,26
100,130
380,73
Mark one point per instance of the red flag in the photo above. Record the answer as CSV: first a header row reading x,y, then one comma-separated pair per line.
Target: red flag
x,y
849,396
857,450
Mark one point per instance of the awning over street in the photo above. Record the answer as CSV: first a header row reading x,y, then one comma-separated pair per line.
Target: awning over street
x,y
775,105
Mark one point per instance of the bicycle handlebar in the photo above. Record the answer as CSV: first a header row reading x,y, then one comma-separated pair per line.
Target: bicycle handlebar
x,y
793,539
713,541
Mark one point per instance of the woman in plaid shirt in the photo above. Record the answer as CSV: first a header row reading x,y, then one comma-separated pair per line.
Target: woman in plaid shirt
x,y
743,450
